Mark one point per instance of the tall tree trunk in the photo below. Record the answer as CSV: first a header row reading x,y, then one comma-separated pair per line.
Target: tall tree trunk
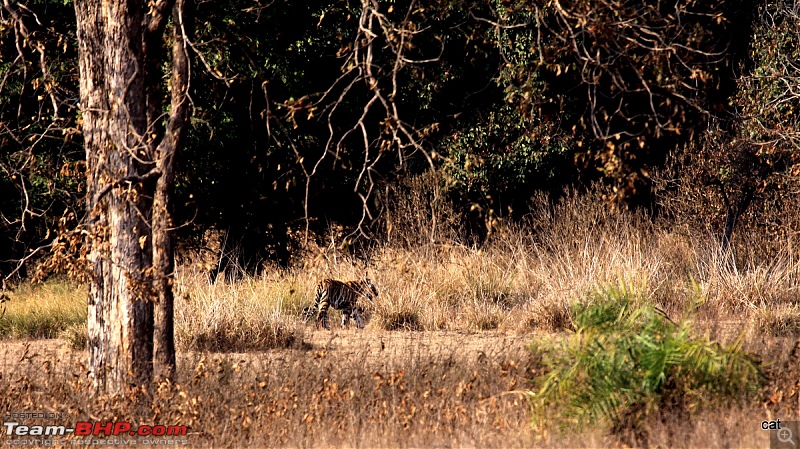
x,y
163,257
130,173
114,125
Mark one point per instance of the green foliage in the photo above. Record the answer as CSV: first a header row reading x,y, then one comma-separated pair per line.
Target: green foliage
x,y
627,362
39,151
558,94
503,157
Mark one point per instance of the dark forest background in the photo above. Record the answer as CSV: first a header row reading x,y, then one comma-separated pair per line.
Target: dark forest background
x,y
687,110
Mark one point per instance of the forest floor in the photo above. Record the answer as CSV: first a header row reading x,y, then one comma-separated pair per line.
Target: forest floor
x,y
352,388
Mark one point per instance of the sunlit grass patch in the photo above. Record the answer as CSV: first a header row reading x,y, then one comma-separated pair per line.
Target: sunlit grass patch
x,y
779,321
43,311
248,314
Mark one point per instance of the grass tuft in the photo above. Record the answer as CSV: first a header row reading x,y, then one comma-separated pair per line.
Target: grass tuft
x,y
550,316
77,335
400,320
249,314
782,321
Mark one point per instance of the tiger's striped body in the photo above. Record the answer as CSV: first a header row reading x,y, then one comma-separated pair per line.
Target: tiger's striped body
x,y
341,296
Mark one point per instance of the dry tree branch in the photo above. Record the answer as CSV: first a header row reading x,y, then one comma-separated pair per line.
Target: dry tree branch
x,y
31,40
378,54
498,24
605,45
24,37
21,262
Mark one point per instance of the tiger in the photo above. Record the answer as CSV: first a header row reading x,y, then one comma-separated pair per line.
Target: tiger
x,y
341,296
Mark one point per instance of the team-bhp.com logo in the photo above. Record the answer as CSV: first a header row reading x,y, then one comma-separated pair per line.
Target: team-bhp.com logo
x,y
84,428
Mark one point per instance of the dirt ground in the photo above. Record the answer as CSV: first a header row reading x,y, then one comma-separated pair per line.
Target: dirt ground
x,y
376,346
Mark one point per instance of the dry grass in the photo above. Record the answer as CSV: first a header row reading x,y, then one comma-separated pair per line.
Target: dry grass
x,y
43,311
393,389
251,313
524,279
397,390
297,386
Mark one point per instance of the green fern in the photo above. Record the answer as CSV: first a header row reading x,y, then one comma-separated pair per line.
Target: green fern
x,y
627,361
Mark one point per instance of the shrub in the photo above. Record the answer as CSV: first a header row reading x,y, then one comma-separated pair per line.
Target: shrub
x,y
627,362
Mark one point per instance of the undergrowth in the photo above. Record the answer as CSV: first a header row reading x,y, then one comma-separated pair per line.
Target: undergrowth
x,y
627,364
523,279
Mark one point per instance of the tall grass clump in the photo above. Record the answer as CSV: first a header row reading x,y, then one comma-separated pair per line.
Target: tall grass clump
x,y
43,311
628,365
247,314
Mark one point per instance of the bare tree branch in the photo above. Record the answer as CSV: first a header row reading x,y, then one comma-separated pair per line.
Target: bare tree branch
x,y
377,56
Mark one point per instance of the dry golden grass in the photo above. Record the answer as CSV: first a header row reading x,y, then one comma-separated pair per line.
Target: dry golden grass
x,y
511,286
43,311
252,373
393,389
407,389
523,279
251,313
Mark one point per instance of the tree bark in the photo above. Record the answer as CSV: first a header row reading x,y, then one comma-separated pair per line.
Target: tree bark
x,y
129,184
120,318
